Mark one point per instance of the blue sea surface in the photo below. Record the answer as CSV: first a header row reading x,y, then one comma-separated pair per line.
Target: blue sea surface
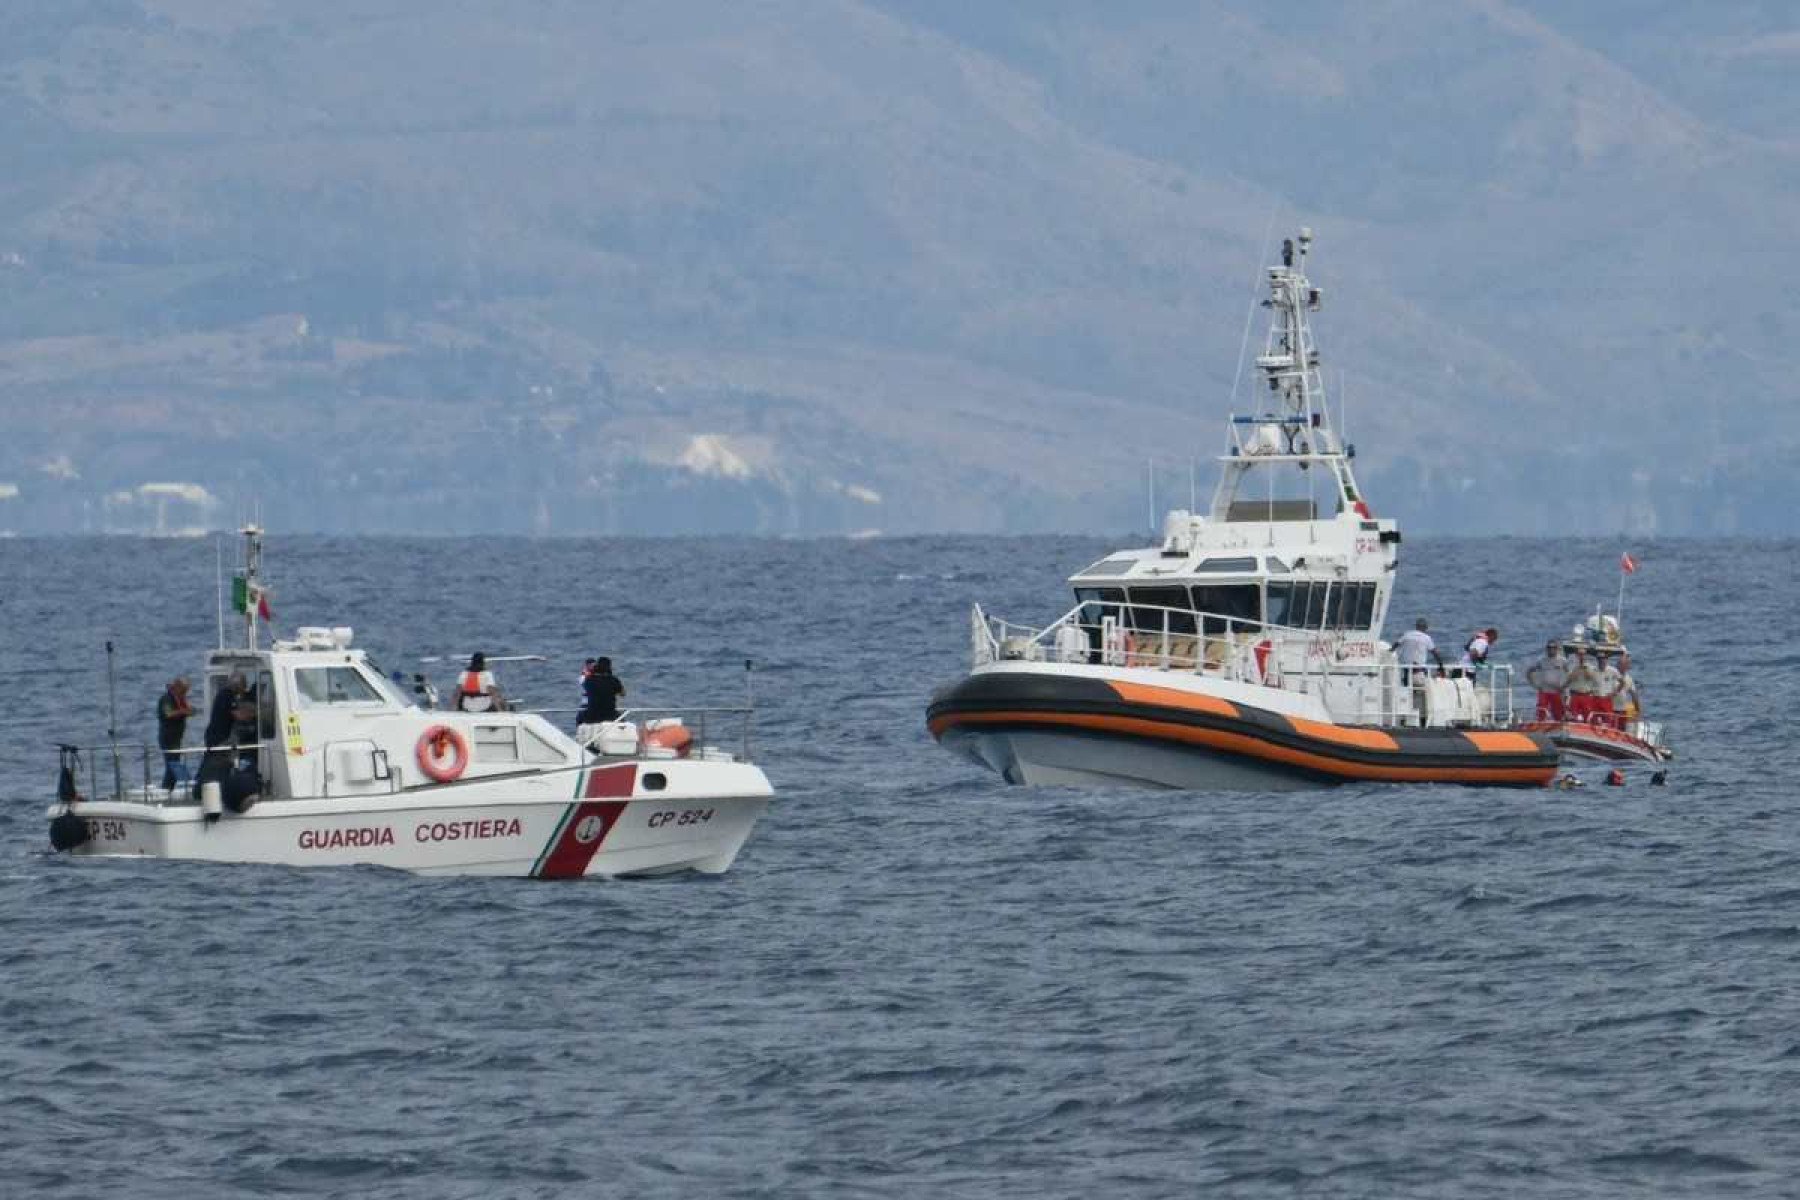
x,y
915,980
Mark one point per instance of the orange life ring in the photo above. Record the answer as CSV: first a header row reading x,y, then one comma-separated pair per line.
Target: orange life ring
x,y
431,753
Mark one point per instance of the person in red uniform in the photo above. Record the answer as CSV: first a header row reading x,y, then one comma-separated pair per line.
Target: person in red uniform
x,y
1549,675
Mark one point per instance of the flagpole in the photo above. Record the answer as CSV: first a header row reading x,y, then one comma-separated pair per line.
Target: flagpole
x,y
1619,608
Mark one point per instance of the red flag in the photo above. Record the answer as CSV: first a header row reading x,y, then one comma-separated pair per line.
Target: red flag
x,y
1627,563
262,605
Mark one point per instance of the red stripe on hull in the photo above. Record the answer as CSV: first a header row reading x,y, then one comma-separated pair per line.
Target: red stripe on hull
x,y
587,827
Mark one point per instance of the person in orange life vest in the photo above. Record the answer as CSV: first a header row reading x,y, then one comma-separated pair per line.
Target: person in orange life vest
x,y
476,690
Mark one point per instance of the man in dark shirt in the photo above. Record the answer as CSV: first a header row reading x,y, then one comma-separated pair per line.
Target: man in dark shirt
x,y
601,691
230,709
223,721
172,713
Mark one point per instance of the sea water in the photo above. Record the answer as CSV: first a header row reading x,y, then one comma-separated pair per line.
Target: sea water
x,y
915,980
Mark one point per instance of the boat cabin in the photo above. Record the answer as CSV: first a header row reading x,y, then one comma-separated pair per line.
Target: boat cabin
x,y
1289,548
318,718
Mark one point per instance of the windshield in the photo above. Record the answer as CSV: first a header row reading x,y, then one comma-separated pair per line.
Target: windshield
x,y
389,686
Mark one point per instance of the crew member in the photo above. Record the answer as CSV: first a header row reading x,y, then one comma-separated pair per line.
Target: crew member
x,y
1413,648
231,711
1606,690
1583,682
1625,700
1475,650
600,693
172,713
1549,675
228,713
476,690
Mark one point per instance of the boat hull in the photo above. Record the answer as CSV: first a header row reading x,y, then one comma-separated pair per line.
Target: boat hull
x,y
610,826
1597,743
1046,728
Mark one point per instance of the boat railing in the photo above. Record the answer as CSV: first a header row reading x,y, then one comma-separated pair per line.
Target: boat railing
x,y
710,726
1367,689
130,767
1174,639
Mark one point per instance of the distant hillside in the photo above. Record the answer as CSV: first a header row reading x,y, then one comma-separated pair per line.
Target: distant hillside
x,y
836,266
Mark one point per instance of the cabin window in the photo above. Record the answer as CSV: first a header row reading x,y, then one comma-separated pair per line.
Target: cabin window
x,y
1149,605
1238,605
1306,605
319,686
1363,613
1099,603
1334,605
1276,606
495,743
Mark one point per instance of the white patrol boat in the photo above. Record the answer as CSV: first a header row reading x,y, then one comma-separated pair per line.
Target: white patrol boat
x,y
1244,651
327,763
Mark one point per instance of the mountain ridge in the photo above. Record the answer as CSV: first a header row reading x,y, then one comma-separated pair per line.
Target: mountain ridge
x,y
983,265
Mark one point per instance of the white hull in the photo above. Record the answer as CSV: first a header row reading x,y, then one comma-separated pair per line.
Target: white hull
x,y
596,822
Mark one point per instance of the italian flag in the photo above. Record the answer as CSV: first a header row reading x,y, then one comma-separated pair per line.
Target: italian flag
x,y
243,596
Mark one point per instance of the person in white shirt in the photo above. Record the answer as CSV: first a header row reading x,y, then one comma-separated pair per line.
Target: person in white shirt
x,y
1583,681
1606,691
1413,648
1625,700
1549,675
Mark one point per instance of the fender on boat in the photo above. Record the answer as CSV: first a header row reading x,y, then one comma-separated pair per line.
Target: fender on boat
x,y
68,831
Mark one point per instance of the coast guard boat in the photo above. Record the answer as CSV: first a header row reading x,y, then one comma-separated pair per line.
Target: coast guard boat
x,y
329,764
1244,650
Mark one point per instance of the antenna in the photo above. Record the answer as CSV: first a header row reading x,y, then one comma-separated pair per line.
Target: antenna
x,y
112,721
1343,430
749,703
1250,313
219,582
1150,468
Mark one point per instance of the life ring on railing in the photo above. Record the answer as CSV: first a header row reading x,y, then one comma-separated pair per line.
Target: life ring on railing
x,y
432,758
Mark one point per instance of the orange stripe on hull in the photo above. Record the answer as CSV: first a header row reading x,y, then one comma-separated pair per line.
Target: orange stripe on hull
x,y
1256,748
1144,693
1367,739
1502,743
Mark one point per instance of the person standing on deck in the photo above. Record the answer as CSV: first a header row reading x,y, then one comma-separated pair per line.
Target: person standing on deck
x,y
1583,682
1413,648
1549,675
172,713
1625,700
1475,650
600,694
1606,691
